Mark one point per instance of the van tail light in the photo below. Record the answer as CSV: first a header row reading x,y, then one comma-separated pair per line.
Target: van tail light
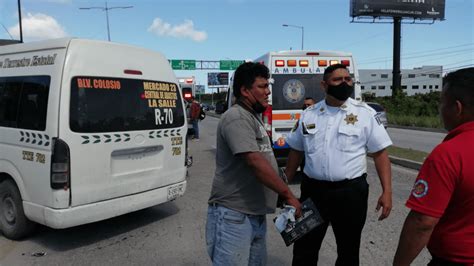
x,y
60,165
267,120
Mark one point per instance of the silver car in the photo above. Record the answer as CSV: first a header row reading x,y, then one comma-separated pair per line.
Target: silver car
x,y
381,114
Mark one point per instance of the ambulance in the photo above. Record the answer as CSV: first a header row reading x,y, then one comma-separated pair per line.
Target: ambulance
x,y
89,130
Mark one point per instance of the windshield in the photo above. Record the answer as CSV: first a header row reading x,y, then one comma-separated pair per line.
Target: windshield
x,y
102,104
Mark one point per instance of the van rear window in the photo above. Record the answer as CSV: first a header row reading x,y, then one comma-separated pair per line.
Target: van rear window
x,y
103,104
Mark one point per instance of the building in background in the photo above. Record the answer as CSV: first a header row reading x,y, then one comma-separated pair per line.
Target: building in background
x,y
418,80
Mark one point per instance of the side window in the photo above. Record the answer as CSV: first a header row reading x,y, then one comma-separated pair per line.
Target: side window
x,y
23,102
10,89
33,103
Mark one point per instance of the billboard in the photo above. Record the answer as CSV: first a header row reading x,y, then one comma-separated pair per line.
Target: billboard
x,y
419,9
217,79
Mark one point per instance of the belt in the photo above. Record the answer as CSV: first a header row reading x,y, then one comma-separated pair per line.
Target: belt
x,y
335,184
215,205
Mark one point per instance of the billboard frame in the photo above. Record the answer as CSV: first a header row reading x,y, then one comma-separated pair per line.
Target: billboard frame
x,y
406,9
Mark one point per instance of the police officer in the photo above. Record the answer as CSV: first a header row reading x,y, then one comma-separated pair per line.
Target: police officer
x,y
334,136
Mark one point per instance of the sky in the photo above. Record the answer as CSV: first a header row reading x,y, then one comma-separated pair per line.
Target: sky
x,y
247,29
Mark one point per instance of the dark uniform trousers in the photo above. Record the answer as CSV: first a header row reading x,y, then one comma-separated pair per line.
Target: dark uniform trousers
x,y
343,204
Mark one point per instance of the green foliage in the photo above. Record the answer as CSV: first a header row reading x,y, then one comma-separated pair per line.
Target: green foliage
x,y
417,105
420,110
215,97
415,121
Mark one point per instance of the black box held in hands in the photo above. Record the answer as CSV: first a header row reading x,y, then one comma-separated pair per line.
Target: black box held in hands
x,y
310,219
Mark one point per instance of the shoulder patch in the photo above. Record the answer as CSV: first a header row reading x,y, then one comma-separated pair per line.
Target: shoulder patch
x,y
310,107
420,189
377,118
295,127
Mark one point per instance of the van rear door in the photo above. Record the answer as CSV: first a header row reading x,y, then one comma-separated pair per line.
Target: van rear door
x,y
126,137
122,116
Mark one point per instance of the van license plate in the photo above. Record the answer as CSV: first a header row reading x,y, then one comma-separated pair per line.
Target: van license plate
x,y
175,191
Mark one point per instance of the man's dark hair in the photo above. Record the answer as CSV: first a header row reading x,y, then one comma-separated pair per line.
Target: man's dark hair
x,y
331,69
246,74
309,98
459,86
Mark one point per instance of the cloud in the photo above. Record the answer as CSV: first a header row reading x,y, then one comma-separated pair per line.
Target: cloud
x,y
38,27
183,30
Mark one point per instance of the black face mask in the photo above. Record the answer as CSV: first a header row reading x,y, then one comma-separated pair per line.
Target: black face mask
x,y
257,106
341,91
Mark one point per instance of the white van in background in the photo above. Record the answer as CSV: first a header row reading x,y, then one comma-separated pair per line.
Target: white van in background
x,y
89,130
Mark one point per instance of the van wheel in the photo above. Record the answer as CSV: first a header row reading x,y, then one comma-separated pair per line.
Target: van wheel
x,y
13,222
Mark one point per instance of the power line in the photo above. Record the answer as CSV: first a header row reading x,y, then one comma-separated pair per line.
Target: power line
x,y
11,37
418,56
419,52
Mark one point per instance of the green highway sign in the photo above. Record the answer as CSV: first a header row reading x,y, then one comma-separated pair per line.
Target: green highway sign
x,y
183,64
230,64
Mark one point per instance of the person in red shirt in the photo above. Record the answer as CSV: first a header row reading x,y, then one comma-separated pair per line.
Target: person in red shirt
x,y
195,111
442,199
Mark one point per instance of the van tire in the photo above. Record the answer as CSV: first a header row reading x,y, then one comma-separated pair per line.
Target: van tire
x,y
13,222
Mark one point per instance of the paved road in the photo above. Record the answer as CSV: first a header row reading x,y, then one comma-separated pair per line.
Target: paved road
x,y
173,233
415,139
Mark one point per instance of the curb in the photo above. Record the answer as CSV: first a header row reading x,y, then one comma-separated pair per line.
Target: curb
x,y
395,160
436,130
405,162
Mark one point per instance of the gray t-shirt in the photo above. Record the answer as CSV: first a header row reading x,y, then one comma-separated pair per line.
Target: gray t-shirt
x,y
235,185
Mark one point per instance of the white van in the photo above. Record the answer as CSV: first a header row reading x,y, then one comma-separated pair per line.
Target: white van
x,y
88,130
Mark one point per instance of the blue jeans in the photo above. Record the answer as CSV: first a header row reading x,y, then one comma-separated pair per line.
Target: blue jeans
x,y
196,128
235,238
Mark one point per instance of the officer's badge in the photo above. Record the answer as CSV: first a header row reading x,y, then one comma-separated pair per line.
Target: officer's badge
x,y
420,189
351,119
311,126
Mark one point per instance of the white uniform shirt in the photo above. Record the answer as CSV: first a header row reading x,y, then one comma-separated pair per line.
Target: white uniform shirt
x,y
335,140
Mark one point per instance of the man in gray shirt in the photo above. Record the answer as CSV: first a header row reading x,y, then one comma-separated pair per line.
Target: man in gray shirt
x,y
246,182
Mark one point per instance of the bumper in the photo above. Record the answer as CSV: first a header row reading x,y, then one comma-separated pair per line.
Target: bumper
x,y
89,213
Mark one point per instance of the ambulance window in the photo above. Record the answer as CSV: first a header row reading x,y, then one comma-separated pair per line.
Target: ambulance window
x,y
102,104
289,91
23,102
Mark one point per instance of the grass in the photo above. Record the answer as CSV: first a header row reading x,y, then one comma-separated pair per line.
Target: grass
x,y
415,121
414,155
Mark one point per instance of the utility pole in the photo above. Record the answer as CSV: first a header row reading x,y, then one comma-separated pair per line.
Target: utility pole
x,y
397,80
19,18
106,9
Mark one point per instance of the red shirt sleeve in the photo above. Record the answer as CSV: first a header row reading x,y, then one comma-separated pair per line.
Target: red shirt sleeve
x,y
435,184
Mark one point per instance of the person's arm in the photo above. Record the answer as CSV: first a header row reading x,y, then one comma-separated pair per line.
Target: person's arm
x,y
415,235
294,161
384,171
267,176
